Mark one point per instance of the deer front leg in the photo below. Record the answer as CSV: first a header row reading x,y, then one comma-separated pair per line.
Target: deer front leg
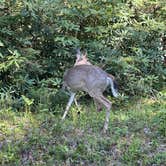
x,y
71,99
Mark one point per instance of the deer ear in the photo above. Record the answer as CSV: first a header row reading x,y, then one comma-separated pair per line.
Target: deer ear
x,y
84,54
78,55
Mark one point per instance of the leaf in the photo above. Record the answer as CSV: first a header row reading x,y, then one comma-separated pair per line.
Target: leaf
x,y
27,100
1,55
1,44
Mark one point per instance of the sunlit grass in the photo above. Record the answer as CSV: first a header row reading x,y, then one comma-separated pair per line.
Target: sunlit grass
x,y
15,124
135,136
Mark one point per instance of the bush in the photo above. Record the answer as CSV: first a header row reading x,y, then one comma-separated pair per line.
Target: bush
x,y
38,41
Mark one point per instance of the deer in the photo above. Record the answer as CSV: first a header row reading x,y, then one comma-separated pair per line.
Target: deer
x,y
84,76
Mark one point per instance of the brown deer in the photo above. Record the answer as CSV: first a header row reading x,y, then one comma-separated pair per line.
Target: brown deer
x,y
91,79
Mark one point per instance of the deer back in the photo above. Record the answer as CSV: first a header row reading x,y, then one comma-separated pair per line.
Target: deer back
x,y
86,78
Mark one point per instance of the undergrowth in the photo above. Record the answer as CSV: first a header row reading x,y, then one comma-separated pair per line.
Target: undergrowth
x,y
136,136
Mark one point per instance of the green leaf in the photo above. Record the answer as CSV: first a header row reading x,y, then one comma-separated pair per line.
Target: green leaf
x,y
27,100
1,44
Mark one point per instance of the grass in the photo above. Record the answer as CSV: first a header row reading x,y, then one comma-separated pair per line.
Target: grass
x,y
136,136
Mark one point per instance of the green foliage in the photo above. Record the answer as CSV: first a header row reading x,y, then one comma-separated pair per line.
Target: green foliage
x,y
38,41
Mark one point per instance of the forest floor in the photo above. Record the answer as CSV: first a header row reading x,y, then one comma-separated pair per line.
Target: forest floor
x,y
136,136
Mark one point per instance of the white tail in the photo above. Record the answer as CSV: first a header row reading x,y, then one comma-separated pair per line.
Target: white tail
x,y
113,85
89,78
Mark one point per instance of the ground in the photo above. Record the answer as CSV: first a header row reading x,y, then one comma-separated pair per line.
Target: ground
x,y
136,136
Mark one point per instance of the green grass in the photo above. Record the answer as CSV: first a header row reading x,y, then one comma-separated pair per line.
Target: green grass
x,y
136,136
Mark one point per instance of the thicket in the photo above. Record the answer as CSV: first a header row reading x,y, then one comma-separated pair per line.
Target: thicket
x,y
38,41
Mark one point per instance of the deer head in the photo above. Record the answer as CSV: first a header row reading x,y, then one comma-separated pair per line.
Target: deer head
x,y
81,58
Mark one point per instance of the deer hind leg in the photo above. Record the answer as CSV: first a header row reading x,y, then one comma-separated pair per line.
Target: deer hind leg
x,y
105,102
71,99
107,117
98,105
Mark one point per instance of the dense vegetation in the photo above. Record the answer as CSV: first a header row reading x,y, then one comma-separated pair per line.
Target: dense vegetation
x,y
38,39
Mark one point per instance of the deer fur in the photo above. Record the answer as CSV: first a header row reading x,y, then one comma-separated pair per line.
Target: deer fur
x,y
84,76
